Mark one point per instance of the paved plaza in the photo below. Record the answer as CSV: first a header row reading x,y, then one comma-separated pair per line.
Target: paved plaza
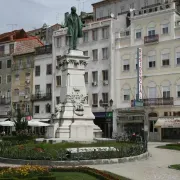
x,y
154,168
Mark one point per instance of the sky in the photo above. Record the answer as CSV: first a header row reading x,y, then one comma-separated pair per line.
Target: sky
x,y
31,14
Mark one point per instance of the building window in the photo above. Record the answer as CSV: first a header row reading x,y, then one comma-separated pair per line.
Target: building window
x,y
86,77
85,53
27,108
105,98
17,77
165,59
36,109
152,92
11,48
105,32
151,32
2,50
165,113
28,61
145,3
85,36
105,53
49,69
95,35
138,34
94,100
37,70
0,79
95,76
151,61
178,58
166,91
9,93
37,89
58,80
58,100
20,64
8,63
27,91
126,95
126,66
0,64
8,79
48,89
165,28
48,108
16,92
105,75
28,75
95,54
178,91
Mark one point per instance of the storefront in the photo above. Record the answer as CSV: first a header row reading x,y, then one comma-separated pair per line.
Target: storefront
x,y
104,121
169,128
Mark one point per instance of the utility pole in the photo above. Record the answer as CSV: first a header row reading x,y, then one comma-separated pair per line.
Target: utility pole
x,y
12,26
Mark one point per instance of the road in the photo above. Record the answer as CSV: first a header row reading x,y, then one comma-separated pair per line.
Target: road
x,y
154,168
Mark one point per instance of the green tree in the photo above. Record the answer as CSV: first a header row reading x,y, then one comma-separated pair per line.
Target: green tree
x,y
20,122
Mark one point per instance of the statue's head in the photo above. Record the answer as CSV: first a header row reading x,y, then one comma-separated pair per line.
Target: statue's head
x,y
73,10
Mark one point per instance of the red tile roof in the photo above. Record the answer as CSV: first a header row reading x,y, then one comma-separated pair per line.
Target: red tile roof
x,y
26,45
13,35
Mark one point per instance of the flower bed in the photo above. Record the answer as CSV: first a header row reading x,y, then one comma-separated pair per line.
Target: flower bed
x,y
47,173
56,153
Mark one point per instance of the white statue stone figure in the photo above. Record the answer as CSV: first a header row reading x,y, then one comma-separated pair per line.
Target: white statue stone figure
x,y
58,110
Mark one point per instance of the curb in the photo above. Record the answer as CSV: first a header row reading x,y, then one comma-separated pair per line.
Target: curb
x,y
74,163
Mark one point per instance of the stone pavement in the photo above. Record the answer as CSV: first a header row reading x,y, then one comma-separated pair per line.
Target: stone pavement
x,y
154,168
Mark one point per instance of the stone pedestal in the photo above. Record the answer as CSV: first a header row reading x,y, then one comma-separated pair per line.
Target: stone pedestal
x,y
75,115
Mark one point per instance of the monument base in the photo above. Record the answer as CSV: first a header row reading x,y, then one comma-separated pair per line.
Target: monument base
x,y
74,114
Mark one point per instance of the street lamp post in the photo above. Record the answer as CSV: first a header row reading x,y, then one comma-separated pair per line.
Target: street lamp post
x,y
105,106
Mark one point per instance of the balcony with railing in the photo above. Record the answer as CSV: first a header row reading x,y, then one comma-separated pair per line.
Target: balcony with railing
x,y
17,66
47,49
41,97
5,101
151,39
157,101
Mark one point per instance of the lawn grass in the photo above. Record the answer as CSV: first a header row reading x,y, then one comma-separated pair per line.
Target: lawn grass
x,y
170,146
175,166
72,176
117,176
66,145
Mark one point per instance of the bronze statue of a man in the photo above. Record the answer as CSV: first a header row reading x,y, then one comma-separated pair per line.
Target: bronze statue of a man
x,y
74,25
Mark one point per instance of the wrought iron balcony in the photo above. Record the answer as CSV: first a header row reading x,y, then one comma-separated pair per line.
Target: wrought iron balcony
x,y
47,49
41,97
5,101
151,39
157,101
16,67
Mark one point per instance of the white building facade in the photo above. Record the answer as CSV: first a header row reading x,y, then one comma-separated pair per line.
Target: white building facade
x,y
42,84
155,30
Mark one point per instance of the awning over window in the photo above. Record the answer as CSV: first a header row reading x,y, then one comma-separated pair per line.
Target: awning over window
x,y
171,122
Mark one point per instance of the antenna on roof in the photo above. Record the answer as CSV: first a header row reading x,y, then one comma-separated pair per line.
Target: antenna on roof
x,y
12,26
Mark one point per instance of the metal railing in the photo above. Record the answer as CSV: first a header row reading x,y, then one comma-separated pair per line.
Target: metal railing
x,y
41,97
47,49
151,39
157,101
23,66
